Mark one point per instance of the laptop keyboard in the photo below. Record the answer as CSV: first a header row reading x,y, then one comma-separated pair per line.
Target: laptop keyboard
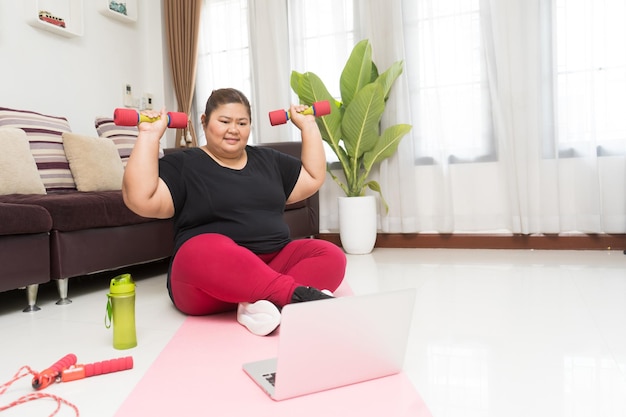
x,y
271,377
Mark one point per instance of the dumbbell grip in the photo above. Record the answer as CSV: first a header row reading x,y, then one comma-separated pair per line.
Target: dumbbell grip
x,y
320,108
131,117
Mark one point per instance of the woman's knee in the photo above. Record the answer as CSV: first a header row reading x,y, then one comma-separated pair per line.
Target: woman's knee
x,y
334,255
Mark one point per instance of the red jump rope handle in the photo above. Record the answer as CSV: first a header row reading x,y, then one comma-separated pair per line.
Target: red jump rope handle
x,y
131,117
320,108
45,378
97,368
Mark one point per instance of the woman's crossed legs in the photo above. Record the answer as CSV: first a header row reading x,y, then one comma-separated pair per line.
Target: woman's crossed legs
x,y
212,274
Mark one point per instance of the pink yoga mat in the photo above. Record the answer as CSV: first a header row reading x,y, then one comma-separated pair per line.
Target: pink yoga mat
x,y
199,374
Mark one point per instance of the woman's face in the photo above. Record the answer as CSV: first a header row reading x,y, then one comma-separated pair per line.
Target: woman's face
x,y
227,130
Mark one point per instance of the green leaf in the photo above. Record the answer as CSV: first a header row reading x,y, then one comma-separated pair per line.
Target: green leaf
x,y
374,75
387,78
360,122
357,72
310,89
299,85
375,186
386,145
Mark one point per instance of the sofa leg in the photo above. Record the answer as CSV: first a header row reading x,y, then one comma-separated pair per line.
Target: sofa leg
x,y
31,295
62,288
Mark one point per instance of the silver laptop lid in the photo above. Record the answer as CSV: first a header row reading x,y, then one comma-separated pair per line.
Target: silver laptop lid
x,y
331,343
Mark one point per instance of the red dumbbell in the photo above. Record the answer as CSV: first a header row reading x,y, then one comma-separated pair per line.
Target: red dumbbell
x,y
320,108
131,117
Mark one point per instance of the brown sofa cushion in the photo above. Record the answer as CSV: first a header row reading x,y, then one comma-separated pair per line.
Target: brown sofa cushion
x,y
75,210
296,205
18,219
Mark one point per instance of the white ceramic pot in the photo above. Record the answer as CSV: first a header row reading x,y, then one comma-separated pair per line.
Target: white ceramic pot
x,y
357,224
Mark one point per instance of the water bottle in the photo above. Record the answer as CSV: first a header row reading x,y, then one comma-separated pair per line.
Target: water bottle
x,y
121,312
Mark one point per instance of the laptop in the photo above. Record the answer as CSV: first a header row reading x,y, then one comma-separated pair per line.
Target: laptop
x,y
332,343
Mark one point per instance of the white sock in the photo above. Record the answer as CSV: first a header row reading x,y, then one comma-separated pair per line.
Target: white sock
x,y
261,317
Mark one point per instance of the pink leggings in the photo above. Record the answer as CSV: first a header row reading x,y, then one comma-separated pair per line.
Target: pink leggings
x,y
211,273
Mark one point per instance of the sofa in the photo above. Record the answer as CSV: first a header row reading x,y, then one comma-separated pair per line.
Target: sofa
x,y
61,209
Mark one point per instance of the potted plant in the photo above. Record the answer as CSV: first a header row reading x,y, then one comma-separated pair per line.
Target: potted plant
x,y
352,130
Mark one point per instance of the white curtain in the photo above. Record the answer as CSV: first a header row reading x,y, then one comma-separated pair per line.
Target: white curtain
x,y
223,53
547,191
270,66
518,183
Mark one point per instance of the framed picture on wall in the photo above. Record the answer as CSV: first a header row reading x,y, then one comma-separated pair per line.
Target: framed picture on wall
x,y
62,17
122,10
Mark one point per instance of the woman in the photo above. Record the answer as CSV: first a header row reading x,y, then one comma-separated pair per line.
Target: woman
x,y
232,247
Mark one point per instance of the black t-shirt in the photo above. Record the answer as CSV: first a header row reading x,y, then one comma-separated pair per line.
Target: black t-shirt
x,y
246,205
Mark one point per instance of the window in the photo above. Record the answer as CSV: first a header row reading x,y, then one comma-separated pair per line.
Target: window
x,y
223,51
590,85
322,35
448,84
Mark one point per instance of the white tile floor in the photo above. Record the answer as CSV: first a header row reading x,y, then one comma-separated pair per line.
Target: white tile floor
x,y
496,333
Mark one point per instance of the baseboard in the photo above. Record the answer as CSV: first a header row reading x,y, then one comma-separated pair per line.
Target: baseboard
x,y
495,241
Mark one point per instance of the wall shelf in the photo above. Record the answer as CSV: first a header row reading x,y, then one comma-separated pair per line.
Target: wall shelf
x,y
71,11
131,10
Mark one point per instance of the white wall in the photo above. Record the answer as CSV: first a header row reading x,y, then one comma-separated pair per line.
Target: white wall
x,y
81,78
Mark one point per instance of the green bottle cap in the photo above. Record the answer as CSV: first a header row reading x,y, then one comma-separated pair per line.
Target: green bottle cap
x,y
122,284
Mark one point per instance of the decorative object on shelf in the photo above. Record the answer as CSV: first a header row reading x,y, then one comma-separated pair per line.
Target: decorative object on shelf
x,y
48,17
352,129
61,17
119,7
124,11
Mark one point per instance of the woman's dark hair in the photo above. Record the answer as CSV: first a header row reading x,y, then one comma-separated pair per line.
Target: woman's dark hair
x,y
225,96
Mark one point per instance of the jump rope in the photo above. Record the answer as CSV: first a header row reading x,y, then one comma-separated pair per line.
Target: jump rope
x,y
64,370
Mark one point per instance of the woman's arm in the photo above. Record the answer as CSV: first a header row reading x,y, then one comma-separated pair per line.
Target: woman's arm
x,y
144,192
313,157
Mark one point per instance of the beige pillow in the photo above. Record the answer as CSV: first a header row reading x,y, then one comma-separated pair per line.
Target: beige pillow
x,y
18,170
95,163
44,134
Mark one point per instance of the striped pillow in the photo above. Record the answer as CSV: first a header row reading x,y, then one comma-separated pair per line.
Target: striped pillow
x,y
124,137
46,144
